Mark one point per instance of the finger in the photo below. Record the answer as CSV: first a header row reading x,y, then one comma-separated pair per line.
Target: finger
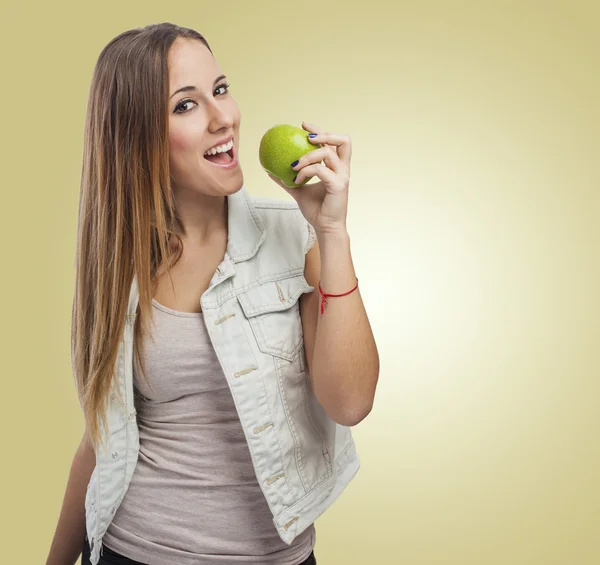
x,y
342,143
326,154
312,128
317,170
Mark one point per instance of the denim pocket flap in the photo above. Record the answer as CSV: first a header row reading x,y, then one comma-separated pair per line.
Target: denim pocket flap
x,y
273,296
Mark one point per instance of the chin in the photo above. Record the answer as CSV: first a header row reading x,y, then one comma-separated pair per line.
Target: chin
x,y
235,185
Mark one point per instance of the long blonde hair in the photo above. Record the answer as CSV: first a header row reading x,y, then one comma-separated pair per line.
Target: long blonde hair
x,y
127,222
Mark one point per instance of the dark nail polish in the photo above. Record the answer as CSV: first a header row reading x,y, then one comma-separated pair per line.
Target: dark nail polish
x,y
312,135
294,163
294,181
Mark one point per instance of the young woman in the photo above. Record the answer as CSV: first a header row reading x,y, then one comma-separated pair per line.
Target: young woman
x,y
219,381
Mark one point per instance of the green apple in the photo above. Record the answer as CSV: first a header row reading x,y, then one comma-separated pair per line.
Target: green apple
x,y
279,147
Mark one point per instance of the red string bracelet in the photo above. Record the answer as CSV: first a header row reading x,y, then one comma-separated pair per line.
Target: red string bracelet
x,y
324,296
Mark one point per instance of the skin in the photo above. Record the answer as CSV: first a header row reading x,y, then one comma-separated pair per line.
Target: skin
x,y
209,115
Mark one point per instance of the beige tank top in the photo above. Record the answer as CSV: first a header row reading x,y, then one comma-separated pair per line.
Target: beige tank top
x,y
194,497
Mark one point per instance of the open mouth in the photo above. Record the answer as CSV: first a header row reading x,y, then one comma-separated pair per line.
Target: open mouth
x,y
222,159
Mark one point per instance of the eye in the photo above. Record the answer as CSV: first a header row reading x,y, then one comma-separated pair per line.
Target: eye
x,y
181,105
225,85
188,100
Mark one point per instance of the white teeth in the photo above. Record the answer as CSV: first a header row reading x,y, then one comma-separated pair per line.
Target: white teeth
x,y
220,148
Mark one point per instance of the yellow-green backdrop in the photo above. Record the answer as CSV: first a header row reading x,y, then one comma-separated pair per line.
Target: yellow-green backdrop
x,y
475,229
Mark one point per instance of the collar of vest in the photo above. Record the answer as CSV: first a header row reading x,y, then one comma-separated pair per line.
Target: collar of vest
x,y
246,232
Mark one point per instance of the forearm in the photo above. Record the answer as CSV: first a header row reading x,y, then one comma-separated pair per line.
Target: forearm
x,y
345,359
70,531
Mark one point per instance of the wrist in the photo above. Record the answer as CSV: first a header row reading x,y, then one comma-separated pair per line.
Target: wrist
x,y
334,234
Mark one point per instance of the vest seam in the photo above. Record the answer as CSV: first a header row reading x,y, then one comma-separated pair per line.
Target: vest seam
x,y
291,425
265,203
331,477
320,431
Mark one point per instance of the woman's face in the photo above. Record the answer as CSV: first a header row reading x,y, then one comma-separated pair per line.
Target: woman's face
x,y
199,119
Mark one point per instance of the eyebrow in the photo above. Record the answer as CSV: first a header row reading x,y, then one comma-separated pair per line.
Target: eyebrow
x,y
188,88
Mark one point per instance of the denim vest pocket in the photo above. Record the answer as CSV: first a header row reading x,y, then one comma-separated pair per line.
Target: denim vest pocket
x,y
273,310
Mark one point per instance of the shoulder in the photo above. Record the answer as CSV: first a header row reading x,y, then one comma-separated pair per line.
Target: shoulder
x,y
284,218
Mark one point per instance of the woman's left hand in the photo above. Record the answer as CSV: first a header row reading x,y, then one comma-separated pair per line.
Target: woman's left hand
x,y
324,204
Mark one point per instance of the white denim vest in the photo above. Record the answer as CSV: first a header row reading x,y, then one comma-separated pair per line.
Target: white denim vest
x,y
303,459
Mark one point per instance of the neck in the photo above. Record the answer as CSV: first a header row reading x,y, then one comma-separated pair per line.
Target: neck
x,y
202,217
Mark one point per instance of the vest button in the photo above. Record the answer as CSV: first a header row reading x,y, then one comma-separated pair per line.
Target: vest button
x,y
115,455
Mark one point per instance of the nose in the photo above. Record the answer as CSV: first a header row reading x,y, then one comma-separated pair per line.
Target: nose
x,y
221,116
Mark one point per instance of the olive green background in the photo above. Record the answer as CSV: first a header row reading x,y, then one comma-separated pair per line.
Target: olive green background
x,y
475,227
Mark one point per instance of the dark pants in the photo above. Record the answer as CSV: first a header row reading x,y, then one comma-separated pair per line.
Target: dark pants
x,y
110,557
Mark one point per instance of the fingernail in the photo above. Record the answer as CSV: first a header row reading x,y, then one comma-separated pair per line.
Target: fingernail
x,y
294,181
312,135
294,163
